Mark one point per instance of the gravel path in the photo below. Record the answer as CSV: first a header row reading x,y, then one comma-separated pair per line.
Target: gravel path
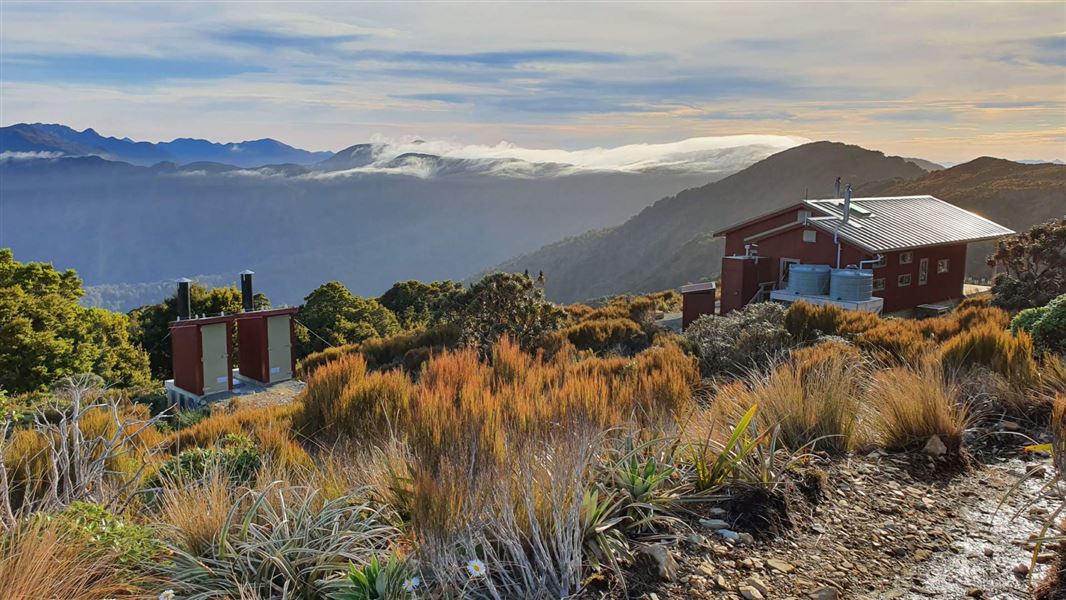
x,y
888,527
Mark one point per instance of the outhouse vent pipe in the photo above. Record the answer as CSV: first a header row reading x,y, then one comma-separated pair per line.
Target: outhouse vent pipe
x,y
184,298
247,296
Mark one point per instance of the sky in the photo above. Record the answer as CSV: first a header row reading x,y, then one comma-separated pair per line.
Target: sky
x,y
944,81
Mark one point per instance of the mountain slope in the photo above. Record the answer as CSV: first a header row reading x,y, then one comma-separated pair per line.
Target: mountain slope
x,y
669,243
54,138
1013,194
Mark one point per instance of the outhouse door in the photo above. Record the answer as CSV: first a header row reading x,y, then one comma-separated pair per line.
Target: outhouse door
x,y
215,356
279,340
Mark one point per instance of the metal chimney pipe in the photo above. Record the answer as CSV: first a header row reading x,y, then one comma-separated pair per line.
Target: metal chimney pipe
x,y
847,203
247,296
184,298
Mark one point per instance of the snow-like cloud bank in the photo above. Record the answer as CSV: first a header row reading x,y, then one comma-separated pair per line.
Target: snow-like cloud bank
x,y
630,157
418,158
16,156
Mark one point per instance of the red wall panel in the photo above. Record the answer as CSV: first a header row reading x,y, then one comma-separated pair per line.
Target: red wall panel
x,y
252,341
187,350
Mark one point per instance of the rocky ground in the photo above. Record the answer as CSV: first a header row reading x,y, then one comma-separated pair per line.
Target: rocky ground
x,y
886,527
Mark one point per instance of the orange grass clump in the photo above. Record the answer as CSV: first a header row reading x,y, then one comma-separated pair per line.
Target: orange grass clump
x,y
909,406
992,347
39,560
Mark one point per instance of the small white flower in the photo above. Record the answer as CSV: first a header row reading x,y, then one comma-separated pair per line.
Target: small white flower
x,y
167,595
412,584
476,568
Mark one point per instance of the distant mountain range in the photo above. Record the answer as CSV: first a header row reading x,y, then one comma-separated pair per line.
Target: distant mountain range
x,y
670,243
50,140
368,216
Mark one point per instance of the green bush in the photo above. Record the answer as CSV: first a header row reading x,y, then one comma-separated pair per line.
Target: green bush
x,y
1024,320
1049,333
235,456
132,545
751,337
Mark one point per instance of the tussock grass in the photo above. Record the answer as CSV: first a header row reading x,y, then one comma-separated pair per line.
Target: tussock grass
x,y
814,403
40,560
193,512
993,347
909,406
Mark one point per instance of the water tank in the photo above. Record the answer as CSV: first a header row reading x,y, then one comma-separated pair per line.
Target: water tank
x,y
808,280
851,284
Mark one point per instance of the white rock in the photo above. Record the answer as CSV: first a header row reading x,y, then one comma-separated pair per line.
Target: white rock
x,y
728,534
715,524
935,447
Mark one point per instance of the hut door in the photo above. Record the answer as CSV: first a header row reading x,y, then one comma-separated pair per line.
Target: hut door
x,y
215,358
279,338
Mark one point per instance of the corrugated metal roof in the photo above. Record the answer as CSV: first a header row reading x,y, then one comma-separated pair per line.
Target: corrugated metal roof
x,y
901,222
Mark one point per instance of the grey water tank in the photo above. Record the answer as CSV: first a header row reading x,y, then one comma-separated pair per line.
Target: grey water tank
x,y
851,284
808,280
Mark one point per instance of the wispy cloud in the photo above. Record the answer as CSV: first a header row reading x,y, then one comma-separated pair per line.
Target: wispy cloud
x,y
114,69
331,74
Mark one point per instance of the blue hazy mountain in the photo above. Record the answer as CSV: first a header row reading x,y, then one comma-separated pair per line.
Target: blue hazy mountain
x,y
60,140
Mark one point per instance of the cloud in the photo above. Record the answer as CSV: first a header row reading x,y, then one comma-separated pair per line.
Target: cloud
x,y
332,74
1047,50
693,154
130,70
914,115
503,59
9,156
270,39
766,115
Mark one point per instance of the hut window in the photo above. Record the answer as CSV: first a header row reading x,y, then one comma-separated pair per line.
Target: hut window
x,y
903,280
879,284
810,236
943,265
906,258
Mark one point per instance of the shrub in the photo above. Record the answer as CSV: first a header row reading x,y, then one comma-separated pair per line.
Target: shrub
x,y
603,335
894,341
991,347
1024,320
828,349
1049,331
747,338
236,457
505,304
343,398
239,420
286,542
909,406
806,322
1034,266
386,352
133,546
